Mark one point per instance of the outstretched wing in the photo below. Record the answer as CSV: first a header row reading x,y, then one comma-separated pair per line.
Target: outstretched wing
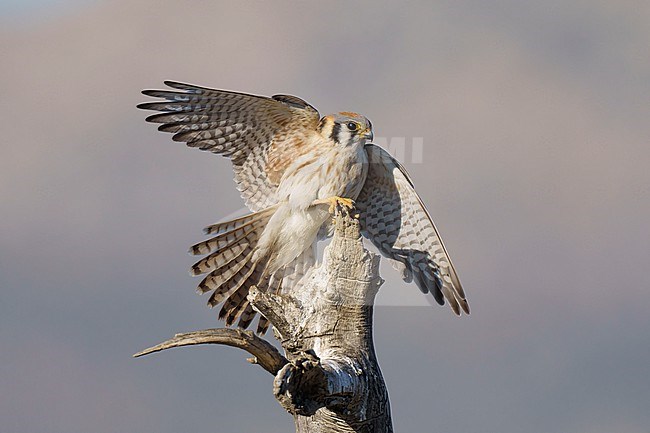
x,y
261,135
394,218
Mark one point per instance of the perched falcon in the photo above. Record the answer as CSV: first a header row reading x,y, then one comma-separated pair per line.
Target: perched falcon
x,y
294,169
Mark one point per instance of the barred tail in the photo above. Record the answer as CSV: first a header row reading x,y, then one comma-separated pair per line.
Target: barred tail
x,y
229,266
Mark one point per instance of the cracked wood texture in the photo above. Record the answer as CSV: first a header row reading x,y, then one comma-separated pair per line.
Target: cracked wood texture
x,y
329,378
332,382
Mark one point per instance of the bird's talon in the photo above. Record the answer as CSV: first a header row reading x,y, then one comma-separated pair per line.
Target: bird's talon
x,y
336,204
345,202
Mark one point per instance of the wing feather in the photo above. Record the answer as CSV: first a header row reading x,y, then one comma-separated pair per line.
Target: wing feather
x,y
255,132
395,219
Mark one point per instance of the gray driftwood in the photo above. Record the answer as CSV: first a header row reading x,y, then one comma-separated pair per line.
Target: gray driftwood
x,y
329,378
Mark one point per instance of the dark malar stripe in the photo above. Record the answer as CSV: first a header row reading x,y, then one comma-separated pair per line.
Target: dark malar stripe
x,y
336,131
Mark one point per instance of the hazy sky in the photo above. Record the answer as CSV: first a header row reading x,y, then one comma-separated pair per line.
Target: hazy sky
x,y
536,153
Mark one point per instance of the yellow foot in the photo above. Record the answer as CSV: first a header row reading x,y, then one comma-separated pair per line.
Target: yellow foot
x,y
335,202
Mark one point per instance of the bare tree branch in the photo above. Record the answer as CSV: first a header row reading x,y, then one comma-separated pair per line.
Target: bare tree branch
x,y
264,353
330,379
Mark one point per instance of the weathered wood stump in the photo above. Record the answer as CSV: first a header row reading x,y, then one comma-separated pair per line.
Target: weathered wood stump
x,y
329,378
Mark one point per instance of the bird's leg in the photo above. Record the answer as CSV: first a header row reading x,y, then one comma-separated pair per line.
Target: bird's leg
x,y
335,202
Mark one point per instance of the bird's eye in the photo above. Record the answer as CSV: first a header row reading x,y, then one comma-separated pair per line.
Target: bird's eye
x,y
352,126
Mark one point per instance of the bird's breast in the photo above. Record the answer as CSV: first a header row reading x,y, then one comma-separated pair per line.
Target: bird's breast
x,y
331,171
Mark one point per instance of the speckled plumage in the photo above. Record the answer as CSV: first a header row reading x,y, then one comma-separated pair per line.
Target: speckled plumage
x,y
288,166
394,218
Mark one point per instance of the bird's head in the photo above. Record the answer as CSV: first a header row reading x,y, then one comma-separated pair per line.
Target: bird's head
x,y
346,128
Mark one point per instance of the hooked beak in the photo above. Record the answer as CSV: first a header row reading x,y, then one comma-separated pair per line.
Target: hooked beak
x,y
368,135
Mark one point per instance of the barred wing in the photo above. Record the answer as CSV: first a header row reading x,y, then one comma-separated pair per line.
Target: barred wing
x,y
394,218
260,135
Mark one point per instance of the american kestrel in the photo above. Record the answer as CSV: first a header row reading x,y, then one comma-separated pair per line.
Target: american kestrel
x,y
294,169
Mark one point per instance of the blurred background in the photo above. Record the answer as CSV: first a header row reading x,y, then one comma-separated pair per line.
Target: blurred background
x,y
534,124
